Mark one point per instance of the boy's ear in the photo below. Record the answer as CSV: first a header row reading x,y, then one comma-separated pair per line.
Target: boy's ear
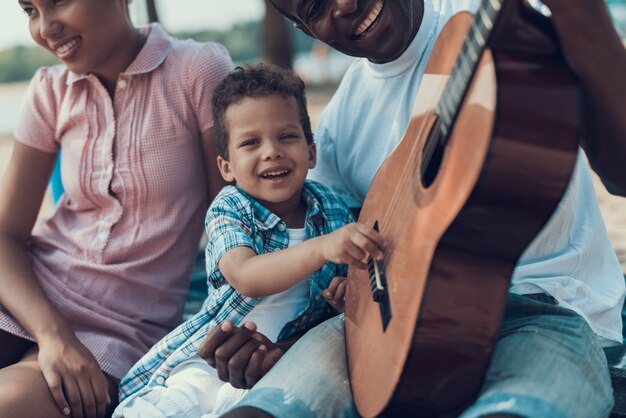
x,y
312,155
224,166
304,29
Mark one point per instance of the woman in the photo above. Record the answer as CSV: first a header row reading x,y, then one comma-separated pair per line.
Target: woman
x,y
85,293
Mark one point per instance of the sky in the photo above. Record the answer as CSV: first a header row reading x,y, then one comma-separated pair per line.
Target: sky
x,y
176,15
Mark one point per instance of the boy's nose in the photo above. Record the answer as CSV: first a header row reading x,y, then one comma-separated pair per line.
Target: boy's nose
x,y
272,151
344,8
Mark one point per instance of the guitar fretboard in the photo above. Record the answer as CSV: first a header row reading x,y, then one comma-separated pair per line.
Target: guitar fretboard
x,y
466,63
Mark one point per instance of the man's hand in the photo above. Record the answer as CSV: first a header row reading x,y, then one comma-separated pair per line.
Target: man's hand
x,y
596,54
241,355
583,26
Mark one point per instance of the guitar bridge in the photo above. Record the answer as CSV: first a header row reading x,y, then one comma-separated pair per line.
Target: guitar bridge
x,y
378,286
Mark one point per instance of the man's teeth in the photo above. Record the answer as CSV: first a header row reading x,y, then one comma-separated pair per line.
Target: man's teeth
x,y
365,25
275,174
66,47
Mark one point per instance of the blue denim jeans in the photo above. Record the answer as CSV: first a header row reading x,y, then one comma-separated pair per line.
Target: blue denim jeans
x,y
547,363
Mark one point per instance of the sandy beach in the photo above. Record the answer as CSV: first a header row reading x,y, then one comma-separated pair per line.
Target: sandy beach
x,y
613,208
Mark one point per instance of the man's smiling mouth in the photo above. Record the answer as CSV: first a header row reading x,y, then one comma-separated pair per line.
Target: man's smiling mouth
x,y
367,23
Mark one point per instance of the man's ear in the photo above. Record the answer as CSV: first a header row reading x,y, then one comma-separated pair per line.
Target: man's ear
x,y
304,29
225,169
312,155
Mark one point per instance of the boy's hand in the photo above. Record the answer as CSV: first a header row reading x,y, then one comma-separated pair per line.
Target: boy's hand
x,y
351,245
335,294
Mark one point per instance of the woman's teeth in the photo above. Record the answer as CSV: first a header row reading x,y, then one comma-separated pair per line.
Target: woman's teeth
x,y
65,48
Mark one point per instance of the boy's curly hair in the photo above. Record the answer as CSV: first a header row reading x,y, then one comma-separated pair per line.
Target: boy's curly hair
x,y
258,80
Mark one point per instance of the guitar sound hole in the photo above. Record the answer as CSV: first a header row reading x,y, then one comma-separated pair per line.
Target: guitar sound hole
x,y
432,163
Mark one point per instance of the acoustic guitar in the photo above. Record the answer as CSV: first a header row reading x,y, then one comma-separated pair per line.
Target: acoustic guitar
x,y
486,158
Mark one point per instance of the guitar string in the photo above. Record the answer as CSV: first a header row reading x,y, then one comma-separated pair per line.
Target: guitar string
x,y
410,171
408,174
406,180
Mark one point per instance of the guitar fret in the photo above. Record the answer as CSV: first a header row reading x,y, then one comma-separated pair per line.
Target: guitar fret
x,y
472,51
466,63
466,67
495,4
446,114
479,37
444,110
454,97
456,92
485,19
444,130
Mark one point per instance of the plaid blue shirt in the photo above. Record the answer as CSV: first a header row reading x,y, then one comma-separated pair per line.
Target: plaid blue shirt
x,y
235,219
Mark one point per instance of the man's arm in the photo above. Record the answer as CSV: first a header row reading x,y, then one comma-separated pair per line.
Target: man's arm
x,y
241,355
597,55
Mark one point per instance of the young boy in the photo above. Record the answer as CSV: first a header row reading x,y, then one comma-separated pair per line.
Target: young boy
x,y
274,239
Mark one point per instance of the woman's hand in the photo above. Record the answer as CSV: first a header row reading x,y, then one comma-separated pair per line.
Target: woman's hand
x,y
77,384
241,355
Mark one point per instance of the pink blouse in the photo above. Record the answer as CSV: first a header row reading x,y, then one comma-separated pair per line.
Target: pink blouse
x,y
116,255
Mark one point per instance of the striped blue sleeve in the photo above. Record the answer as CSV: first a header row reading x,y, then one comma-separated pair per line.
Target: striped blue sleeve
x,y
227,227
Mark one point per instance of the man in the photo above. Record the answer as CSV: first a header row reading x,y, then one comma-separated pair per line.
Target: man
x,y
548,360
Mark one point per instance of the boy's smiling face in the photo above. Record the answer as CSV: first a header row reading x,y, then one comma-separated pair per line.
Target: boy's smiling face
x,y
268,155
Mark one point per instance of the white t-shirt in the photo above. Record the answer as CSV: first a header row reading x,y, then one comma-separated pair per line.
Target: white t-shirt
x,y
571,259
273,312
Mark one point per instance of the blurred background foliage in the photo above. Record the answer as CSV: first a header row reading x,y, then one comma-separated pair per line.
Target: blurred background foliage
x,y
21,62
270,39
243,40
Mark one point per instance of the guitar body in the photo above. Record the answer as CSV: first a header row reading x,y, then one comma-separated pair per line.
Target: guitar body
x,y
454,241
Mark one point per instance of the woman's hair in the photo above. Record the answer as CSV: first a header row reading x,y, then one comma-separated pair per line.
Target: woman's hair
x,y
260,80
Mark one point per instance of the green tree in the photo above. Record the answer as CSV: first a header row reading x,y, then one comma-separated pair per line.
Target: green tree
x,y
20,62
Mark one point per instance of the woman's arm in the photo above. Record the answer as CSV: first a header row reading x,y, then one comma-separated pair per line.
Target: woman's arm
x,y
73,375
21,194
597,55
267,274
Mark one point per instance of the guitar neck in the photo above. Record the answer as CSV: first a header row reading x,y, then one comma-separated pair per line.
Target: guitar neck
x,y
466,63
526,27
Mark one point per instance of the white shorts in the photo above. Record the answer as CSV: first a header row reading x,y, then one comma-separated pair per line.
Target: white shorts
x,y
192,390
